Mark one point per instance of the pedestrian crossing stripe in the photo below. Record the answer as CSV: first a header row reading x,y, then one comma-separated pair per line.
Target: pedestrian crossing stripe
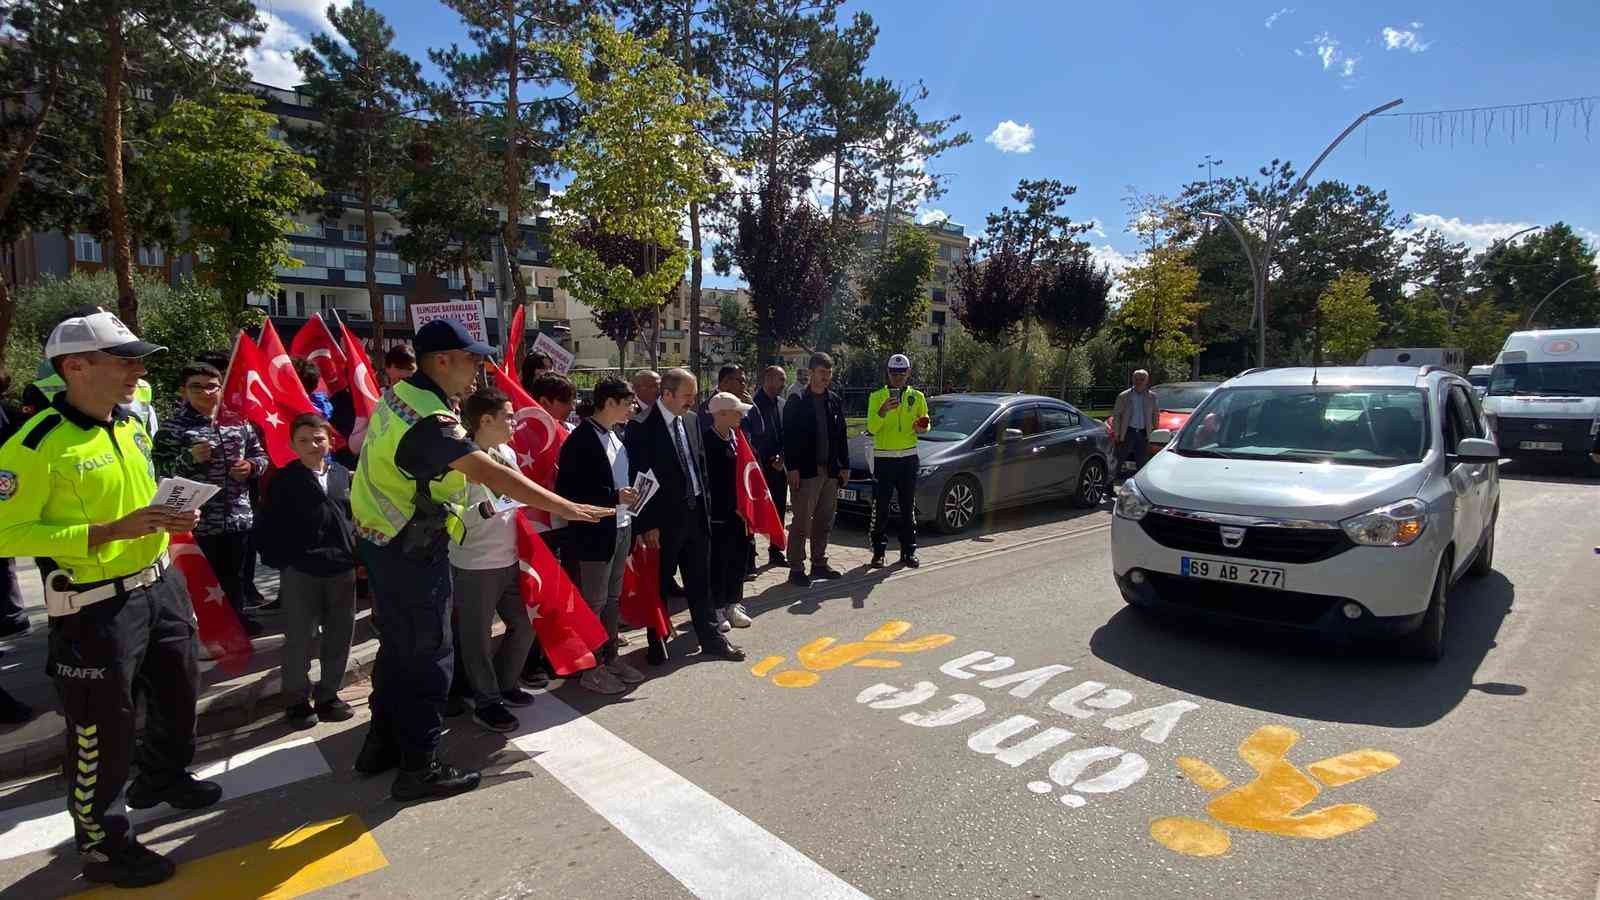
x,y
307,859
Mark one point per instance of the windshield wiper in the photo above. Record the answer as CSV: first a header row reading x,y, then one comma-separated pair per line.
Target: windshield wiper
x,y
1211,454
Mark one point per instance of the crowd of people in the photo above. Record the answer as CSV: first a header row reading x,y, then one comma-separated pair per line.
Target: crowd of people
x,y
417,509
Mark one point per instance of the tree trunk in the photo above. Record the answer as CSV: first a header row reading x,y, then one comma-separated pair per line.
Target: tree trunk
x,y
9,184
697,265
622,359
116,199
369,221
466,279
511,233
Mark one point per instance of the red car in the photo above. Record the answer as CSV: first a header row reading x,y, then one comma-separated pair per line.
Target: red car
x,y
1175,402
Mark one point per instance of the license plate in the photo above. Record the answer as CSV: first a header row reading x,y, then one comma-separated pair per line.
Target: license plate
x,y
1543,445
847,495
1236,573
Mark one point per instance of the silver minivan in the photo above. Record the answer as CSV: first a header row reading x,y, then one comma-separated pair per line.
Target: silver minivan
x,y
1345,501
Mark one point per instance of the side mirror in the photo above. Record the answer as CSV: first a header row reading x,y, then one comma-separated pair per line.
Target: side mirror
x,y
1161,436
1010,434
1477,450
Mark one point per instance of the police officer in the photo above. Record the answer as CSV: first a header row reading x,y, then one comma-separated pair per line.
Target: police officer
x,y
38,394
896,414
76,482
407,497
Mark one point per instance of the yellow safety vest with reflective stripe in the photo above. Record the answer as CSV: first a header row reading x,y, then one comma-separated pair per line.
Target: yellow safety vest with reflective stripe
x,y
142,407
382,497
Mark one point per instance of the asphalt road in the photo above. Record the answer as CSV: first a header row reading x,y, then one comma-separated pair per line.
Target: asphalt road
x,y
1475,777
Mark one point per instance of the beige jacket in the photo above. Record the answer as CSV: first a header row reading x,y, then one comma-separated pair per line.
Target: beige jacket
x,y
1119,413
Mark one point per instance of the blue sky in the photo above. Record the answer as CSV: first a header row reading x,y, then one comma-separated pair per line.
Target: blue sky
x,y
1110,97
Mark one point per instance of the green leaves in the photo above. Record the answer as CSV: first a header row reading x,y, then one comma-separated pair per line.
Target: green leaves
x,y
896,294
1348,317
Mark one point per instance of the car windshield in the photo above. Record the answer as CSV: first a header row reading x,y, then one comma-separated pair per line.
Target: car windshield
x,y
1479,380
1376,426
1182,398
1548,379
954,420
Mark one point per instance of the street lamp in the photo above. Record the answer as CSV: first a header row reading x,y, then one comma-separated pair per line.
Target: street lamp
x,y
1527,324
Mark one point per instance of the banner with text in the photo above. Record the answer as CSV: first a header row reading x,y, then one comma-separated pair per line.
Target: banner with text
x,y
468,312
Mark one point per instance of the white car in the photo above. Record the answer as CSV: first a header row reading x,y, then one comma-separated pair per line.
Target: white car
x,y
1343,501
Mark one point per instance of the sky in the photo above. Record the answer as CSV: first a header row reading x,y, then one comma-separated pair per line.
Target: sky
x,y
1134,95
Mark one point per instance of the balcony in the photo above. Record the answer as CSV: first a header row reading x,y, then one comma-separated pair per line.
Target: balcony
x,y
359,276
310,273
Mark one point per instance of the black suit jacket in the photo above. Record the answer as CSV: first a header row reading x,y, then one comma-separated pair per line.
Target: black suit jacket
x,y
800,435
585,477
650,448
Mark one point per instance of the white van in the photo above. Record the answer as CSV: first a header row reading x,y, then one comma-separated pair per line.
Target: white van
x,y
1480,377
1544,394
1451,359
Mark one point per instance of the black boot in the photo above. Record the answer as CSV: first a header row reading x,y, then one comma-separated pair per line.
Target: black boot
x,y
656,653
432,782
126,864
377,755
183,792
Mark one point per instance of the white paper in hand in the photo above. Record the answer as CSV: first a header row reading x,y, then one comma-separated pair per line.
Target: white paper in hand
x,y
645,484
180,495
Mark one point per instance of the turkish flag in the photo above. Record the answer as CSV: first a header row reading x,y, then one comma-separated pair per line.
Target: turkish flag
x,y
755,504
537,437
249,395
315,342
363,384
220,631
641,591
514,336
568,630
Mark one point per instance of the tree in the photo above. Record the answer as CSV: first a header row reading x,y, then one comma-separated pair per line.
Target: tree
x,y
898,159
513,59
1336,228
1073,303
896,292
1419,321
1481,328
623,325
637,160
786,251
1348,317
1439,264
238,187
1554,267
171,49
1160,304
366,93
446,204
992,292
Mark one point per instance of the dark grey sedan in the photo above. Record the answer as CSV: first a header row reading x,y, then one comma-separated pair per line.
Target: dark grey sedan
x,y
991,451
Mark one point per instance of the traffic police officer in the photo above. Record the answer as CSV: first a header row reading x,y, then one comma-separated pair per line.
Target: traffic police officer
x,y
44,388
76,483
407,497
896,414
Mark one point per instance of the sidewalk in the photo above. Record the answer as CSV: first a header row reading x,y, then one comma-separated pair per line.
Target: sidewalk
x,y
231,703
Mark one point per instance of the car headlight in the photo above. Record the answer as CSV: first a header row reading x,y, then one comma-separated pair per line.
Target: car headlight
x,y
1395,525
1130,503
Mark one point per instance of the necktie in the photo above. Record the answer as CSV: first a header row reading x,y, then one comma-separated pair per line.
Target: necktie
x,y
684,459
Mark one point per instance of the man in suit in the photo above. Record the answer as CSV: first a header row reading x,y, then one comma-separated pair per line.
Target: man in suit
x,y
764,424
1134,417
677,520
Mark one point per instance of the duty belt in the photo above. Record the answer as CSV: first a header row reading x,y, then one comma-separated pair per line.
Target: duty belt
x,y
63,598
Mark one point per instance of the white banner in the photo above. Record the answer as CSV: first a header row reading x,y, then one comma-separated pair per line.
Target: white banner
x,y
468,312
561,358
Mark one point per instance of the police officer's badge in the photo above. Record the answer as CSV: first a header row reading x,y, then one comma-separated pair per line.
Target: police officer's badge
x,y
8,484
142,441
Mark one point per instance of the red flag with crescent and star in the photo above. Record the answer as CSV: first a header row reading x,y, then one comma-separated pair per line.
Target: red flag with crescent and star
x,y
537,437
221,633
569,632
364,393
640,603
755,504
315,342
249,394
514,336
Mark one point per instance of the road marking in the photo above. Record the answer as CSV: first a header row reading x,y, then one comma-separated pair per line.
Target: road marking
x,y
707,845
45,824
306,859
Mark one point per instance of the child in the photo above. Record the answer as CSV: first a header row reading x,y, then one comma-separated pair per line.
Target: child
x,y
484,566
306,535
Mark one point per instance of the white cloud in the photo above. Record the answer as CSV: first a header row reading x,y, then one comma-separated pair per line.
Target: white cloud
x,y
1348,67
1273,19
1097,229
1009,137
314,12
932,215
1404,39
1326,48
1118,262
272,60
1480,235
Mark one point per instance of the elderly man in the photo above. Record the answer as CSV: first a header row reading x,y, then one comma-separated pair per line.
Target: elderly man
x,y
1134,417
646,388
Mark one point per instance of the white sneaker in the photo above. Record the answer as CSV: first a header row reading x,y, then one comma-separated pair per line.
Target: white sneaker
x,y
737,617
625,673
600,681
722,620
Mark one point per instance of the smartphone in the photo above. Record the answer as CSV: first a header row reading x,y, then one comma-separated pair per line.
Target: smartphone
x,y
895,393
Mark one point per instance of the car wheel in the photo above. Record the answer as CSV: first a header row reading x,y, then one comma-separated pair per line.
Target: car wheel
x,y
1484,564
1091,489
960,503
1427,642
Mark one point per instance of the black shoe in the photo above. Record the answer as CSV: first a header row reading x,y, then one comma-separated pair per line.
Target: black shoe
x,y
12,710
300,715
432,782
183,792
377,756
825,572
776,558
335,710
910,561
456,705
495,717
656,654
534,679
621,641
127,864
799,579
726,651
252,628
877,561
517,697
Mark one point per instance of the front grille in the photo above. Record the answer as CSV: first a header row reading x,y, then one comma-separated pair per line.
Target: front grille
x,y
1261,542
1569,431
1243,601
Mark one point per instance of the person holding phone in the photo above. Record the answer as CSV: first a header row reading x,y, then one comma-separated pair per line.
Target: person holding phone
x,y
896,414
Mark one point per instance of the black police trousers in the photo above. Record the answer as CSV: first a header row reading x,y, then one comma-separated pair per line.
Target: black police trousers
x,y
102,657
416,651
897,474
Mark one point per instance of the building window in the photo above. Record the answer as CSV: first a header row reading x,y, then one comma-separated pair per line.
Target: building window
x,y
941,274
944,251
151,256
355,232
388,262
453,281
299,304
938,297
574,346
355,260
677,324
309,254
394,307
677,347
547,295
327,301
88,248
938,317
